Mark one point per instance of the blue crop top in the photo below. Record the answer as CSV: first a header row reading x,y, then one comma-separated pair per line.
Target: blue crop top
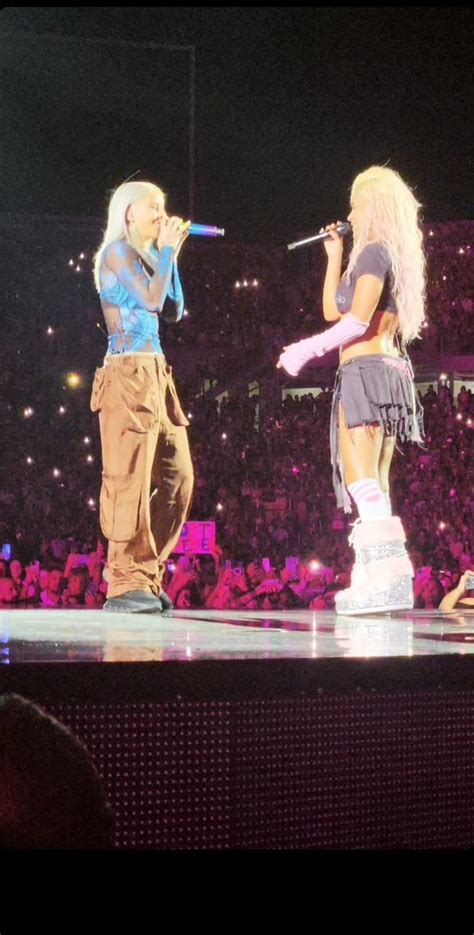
x,y
373,259
130,309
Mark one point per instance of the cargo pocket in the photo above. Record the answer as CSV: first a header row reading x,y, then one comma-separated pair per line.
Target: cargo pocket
x,y
136,390
173,405
120,499
98,387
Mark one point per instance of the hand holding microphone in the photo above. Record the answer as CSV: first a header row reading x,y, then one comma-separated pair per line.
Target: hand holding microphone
x,y
325,235
173,233
333,244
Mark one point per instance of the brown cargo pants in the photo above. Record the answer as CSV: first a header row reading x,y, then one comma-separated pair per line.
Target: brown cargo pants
x,y
147,473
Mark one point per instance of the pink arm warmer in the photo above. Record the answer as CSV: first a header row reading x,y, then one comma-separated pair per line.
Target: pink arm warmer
x,y
295,356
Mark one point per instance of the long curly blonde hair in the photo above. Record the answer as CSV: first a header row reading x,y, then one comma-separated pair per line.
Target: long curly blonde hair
x,y
117,227
391,218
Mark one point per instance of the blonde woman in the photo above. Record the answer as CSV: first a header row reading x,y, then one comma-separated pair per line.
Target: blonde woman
x,y
378,304
147,476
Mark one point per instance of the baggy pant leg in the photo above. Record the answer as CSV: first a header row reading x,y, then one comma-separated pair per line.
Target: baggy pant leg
x,y
144,446
129,428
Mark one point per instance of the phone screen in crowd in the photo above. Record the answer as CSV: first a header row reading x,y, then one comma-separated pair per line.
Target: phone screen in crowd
x,y
292,564
7,551
266,565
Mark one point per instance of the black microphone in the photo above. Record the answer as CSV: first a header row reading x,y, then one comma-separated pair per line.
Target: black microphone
x,y
341,229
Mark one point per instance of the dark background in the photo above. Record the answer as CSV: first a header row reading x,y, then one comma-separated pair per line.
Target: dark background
x,y
290,105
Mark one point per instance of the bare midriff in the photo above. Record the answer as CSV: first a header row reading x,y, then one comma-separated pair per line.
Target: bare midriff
x,y
378,339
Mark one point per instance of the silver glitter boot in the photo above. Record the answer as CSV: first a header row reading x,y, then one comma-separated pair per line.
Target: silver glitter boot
x,y
381,578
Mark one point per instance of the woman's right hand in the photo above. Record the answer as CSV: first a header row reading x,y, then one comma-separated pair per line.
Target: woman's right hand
x,y
335,245
172,233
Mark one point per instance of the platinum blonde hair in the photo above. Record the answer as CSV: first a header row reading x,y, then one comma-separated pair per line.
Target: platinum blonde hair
x,y
391,218
117,225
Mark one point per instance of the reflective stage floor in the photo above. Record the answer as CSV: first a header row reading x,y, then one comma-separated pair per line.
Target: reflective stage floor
x,y
76,635
245,730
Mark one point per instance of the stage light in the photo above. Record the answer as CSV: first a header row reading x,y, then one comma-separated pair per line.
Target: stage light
x,y
82,256
90,458
186,313
442,526
190,415
443,376
219,507
459,417
237,285
460,250
29,460
78,268
71,263
245,283
56,472
28,412
255,282
224,436
87,440
50,330
91,502
315,566
431,234
61,410
73,380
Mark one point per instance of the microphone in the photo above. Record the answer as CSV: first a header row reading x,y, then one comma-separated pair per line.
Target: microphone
x,y
341,229
203,230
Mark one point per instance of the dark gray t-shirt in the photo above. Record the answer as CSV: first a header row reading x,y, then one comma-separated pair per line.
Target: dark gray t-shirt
x,y
373,259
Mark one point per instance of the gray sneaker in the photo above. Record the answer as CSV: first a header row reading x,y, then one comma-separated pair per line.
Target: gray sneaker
x,y
134,602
